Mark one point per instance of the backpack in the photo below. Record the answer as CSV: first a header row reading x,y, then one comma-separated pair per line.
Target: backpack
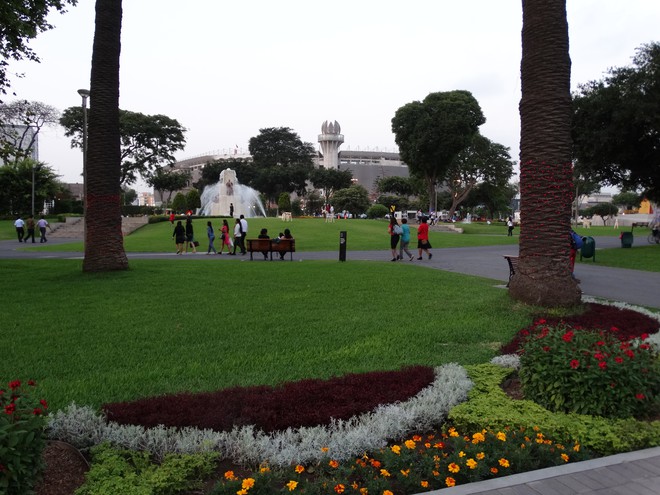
x,y
576,241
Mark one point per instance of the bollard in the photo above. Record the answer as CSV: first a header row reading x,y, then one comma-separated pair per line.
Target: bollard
x,y
342,245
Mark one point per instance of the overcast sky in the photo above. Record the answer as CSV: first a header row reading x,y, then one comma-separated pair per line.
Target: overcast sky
x,y
225,70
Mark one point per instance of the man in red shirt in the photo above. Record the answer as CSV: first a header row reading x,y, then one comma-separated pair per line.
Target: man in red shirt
x,y
423,243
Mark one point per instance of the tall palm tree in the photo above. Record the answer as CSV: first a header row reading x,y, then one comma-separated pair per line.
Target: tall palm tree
x,y
104,243
546,190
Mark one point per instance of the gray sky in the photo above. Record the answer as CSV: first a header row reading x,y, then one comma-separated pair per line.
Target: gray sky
x,y
226,69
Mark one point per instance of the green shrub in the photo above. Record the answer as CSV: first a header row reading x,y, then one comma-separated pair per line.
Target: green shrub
x,y
489,407
133,473
377,211
589,372
22,438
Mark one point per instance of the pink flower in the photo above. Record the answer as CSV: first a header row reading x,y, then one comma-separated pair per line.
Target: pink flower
x,y
568,336
603,365
575,364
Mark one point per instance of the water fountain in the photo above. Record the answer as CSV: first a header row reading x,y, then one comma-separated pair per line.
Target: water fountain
x,y
217,199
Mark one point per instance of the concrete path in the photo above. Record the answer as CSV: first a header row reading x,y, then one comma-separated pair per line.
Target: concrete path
x,y
634,473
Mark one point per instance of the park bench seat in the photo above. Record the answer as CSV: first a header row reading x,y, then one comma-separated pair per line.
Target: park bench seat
x,y
513,266
271,246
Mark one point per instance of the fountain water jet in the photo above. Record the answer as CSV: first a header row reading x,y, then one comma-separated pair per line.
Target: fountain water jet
x,y
217,198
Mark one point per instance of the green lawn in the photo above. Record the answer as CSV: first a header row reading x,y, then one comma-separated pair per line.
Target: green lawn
x,y
162,327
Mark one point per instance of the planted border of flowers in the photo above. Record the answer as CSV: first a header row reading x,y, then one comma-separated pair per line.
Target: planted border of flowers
x,y
83,427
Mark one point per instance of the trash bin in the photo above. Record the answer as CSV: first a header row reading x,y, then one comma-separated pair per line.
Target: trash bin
x,y
626,239
588,249
342,245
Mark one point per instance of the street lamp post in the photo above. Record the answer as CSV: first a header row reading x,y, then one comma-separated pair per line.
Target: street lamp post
x,y
84,93
33,166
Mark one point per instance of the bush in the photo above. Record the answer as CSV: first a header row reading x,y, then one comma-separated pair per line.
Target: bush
x,y
589,372
377,211
133,473
22,438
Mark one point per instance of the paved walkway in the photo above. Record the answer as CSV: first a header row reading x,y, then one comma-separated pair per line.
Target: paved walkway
x,y
634,473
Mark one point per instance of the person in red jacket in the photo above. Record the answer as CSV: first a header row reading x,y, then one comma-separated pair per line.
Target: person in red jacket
x,y
423,243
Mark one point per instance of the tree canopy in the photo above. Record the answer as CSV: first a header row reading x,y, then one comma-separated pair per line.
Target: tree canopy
x,y
169,180
21,22
616,124
147,141
16,186
330,180
20,124
354,199
431,133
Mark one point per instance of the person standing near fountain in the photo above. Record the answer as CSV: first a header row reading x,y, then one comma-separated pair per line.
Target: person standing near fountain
x,y
238,237
179,236
226,238
231,210
211,235
244,230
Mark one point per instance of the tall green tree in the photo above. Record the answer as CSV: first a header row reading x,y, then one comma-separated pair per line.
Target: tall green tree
x,y
546,186
495,198
431,133
104,243
16,186
628,200
282,161
21,21
193,199
147,141
20,124
168,180
482,161
330,180
616,124
354,199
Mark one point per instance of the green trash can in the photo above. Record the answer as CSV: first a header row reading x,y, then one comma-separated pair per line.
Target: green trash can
x,y
626,239
588,249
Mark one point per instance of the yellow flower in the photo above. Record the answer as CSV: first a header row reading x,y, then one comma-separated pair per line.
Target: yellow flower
x,y
241,492
501,436
385,473
453,432
405,472
229,475
247,483
576,447
396,449
503,462
449,481
324,449
471,463
481,456
291,485
564,457
333,464
264,469
387,492
478,437
461,454
410,444
454,468
424,483
300,469
427,445
364,491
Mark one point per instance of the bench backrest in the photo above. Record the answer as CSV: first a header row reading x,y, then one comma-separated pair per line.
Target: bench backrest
x,y
258,244
287,245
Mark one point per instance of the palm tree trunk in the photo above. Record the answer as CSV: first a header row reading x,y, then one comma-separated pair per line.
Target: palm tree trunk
x,y
546,184
104,243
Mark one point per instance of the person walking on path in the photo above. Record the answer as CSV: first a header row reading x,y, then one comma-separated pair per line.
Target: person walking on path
x,y
238,237
190,235
20,228
42,224
179,236
405,240
423,243
509,224
395,232
226,238
30,229
244,230
211,236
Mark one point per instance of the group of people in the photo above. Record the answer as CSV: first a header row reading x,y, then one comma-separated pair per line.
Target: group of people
x,y
30,224
400,238
282,235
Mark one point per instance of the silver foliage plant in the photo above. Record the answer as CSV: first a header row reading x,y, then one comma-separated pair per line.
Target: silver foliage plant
x,y
83,427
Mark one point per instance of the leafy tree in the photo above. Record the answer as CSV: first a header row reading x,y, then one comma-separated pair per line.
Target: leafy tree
x,y
104,243
354,199
20,123
400,202
284,202
282,162
313,203
128,195
330,180
628,200
482,161
495,198
602,210
615,124
169,180
193,199
431,133
585,183
147,141
16,186
402,186
544,271
21,22
179,203
377,211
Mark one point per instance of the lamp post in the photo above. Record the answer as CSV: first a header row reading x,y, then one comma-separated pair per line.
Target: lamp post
x,y
33,166
84,93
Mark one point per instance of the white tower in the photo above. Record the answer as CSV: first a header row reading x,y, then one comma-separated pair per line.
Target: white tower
x,y
330,140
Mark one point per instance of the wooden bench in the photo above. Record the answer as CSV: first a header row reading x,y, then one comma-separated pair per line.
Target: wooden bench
x,y
280,246
513,266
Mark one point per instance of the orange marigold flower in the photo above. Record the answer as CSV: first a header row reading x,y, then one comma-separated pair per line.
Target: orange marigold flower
x,y
333,464
454,468
503,462
364,491
375,463
339,488
410,444
478,437
494,470
247,483
405,472
324,449
471,463
501,436
427,445
576,447
396,449
387,492
229,475
291,485
355,485
439,445
481,456
424,483
449,481
385,473
242,492
300,469
435,473
264,469
461,454
453,432
564,457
